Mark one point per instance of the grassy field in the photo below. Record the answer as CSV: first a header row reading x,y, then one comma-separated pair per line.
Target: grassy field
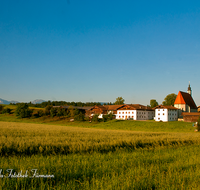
x,y
101,156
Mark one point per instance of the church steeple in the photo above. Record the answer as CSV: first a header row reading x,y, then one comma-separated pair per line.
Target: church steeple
x,y
189,91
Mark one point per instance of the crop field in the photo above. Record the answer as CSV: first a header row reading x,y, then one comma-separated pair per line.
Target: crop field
x,y
111,155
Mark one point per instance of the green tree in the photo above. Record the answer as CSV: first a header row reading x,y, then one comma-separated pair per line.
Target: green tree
x,y
169,100
153,103
53,112
119,101
47,109
23,111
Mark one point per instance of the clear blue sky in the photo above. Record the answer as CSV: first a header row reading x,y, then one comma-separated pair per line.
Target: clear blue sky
x,y
86,50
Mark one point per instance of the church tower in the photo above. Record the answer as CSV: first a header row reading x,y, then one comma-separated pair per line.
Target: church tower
x,y
189,91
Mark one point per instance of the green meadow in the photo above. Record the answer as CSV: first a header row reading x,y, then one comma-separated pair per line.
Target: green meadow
x,y
110,155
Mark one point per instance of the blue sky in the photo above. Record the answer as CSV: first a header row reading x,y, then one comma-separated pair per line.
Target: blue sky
x,y
84,50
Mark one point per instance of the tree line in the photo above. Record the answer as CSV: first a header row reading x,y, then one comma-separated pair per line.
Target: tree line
x,y
60,103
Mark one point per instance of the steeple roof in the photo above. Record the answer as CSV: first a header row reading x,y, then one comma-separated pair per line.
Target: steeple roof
x,y
185,98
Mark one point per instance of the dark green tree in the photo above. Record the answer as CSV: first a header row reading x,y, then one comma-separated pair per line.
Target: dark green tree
x,y
169,100
119,101
153,103
53,112
47,109
23,111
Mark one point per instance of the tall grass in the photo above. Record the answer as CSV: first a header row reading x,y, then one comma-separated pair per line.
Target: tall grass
x,y
154,169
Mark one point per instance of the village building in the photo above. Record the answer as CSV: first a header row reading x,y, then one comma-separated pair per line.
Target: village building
x,y
135,112
198,108
166,113
184,102
190,117
123,112
101,110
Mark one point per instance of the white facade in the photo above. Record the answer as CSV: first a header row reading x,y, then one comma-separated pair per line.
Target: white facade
x,y
126,114
135,114
164,114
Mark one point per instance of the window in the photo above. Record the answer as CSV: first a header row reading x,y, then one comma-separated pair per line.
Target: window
x,y
132,112
163,114
158,110
132,116
126,112
122,116
119,116
158,113
158,118
122,112
119,112
129,112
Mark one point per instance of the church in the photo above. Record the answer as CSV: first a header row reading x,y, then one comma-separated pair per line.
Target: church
x,y
184,102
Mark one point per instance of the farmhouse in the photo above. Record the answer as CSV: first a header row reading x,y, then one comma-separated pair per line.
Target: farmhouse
x,y
166,113
103,110
135,112
184,102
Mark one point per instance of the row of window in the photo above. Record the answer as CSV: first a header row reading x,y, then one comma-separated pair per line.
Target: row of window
x,y
170,118
168,114
168,110
133,112
126,112
126,117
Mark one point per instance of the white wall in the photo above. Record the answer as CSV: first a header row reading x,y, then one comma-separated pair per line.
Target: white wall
x,y
126,114
163,114
135,114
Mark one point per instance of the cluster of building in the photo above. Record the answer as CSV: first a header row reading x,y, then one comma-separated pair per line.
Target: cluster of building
x,y
184,107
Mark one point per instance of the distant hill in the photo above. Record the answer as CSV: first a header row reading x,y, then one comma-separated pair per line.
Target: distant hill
x,y
14,102
2,101
38,101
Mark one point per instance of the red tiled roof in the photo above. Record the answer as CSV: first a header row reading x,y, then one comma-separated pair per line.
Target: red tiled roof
x,y
135,107
166,107
185,98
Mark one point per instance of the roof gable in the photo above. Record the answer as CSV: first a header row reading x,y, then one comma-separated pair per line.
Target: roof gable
x,y
179,99
165,107
185,98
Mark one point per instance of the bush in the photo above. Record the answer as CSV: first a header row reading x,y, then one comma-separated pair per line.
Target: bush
x,y
1,108
108,117
95,118
7,110
79,117
198,124
23,110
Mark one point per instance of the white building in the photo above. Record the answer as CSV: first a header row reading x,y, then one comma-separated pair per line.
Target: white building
x,y
135,112
166,113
